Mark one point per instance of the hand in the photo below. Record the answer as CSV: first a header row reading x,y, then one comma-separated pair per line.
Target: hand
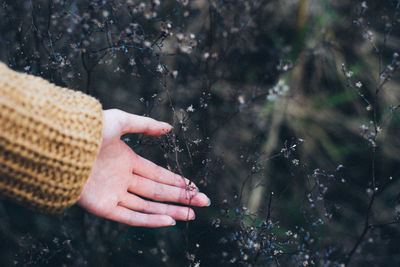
x,y
120,176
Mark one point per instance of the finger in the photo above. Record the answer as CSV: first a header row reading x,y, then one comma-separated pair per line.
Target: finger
x,y
162,192
148,169
138,124
136,203
133,218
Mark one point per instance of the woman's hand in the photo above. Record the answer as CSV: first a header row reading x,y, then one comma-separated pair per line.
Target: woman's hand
x,y
120,176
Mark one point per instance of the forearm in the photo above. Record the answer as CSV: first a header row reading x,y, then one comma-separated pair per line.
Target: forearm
x,y
49,139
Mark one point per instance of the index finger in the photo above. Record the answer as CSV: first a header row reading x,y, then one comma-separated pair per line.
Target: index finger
x,y
149,170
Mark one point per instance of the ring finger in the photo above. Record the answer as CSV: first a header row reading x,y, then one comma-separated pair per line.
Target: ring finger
x,y
136,203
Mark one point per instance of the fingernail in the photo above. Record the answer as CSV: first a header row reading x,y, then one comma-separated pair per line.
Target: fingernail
x,y
194,217
173,223
209,202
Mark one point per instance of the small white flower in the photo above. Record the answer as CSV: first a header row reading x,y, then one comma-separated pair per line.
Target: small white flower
x,y
190,108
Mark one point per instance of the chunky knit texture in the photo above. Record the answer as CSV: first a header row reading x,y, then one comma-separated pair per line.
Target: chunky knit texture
x,y
49,139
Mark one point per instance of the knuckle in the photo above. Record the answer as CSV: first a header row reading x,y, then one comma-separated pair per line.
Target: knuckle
x,y
158,193
145,206
134,181
159,172
165,209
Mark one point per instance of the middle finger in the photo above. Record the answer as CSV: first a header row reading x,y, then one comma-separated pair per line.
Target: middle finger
x,y
162,192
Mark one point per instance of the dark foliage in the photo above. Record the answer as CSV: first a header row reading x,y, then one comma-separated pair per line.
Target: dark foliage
x,y
284,112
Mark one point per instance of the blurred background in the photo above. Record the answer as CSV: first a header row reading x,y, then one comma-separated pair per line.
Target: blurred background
x,y
284,113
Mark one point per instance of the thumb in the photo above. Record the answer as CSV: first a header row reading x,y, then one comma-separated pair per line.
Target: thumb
x,y
130,123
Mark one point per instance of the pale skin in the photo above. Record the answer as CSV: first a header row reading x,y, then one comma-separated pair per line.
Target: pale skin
x,y
120,177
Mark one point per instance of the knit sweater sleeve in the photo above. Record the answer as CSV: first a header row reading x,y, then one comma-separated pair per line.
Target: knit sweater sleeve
x,y
49,139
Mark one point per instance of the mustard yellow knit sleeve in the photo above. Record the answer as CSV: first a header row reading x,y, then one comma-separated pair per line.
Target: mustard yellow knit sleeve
x,y
49,139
